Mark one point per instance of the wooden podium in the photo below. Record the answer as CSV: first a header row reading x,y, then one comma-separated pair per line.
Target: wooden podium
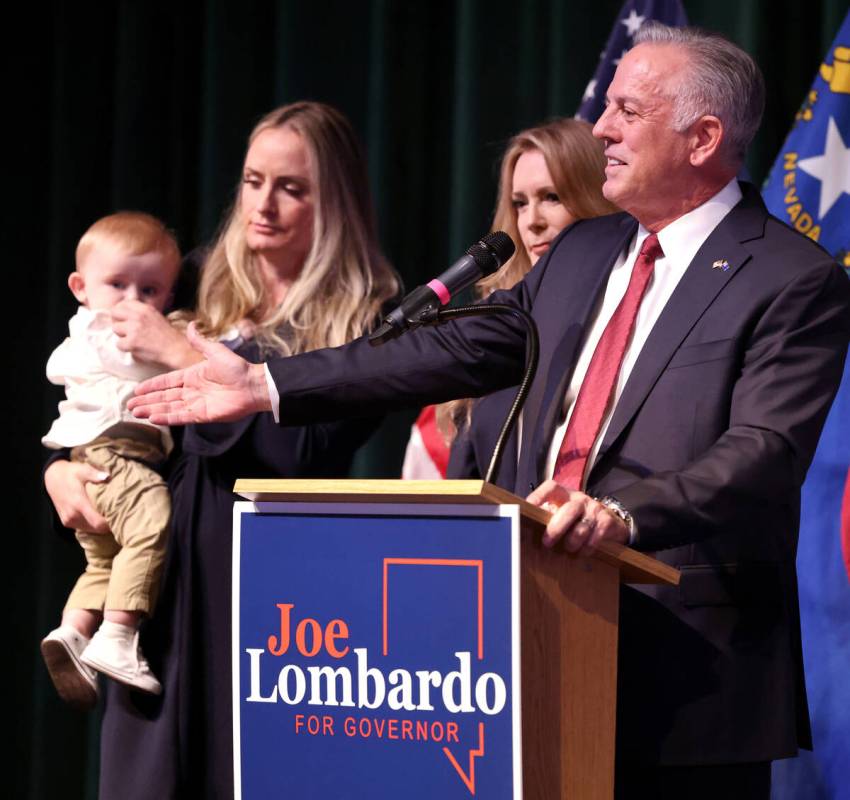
x,y
568,622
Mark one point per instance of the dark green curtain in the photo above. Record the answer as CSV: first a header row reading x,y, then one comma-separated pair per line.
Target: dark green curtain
x,y
148,105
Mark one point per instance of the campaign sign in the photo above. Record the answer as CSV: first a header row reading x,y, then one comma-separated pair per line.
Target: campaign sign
x,y
376,651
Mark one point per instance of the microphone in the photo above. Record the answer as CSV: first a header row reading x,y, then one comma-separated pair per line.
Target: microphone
x,y
483,258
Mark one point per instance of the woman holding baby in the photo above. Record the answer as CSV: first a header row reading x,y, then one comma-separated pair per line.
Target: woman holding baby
x,y
296,267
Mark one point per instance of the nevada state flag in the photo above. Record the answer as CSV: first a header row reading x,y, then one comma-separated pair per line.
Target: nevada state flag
x,y
809,189
809,185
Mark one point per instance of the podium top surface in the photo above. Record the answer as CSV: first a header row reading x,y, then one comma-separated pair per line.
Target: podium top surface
x,y
634,567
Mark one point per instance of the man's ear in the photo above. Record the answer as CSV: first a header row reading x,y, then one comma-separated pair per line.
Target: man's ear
x,y
706,136
77,285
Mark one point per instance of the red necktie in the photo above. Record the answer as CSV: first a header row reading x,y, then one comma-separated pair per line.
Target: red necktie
x,y
594,396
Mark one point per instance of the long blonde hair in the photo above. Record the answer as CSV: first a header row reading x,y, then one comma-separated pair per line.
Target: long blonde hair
x,y
576,162
345,278
577,165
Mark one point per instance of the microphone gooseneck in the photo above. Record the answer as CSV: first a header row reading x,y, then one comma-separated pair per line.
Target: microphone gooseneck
x,y
532,356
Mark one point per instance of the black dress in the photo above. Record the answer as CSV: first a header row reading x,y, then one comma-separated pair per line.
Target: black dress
x,y
179,745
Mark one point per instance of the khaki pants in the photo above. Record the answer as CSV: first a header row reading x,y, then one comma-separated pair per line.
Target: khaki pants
x,y
123,568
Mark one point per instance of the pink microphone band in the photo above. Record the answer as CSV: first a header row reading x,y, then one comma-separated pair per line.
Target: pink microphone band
x,y
439,289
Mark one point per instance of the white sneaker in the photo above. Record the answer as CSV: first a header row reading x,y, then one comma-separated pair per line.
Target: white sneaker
x,y
114,650
76,683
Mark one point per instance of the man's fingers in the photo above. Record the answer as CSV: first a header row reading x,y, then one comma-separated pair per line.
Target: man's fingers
x,y
569,521
599,533
168,408
594,525
159,383
580,524
172,413
539,495
549,493
587,534
562,522
163,395
156,404
172,417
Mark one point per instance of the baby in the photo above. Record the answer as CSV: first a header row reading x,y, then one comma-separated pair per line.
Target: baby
x,y
125,256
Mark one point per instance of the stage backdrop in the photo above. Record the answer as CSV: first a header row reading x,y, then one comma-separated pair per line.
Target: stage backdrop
x,y
148,105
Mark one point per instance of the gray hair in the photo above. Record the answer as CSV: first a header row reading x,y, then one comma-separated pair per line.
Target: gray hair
x,y
723,81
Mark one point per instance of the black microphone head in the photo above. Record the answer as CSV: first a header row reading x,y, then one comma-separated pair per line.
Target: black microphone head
x,y
501,244
492,251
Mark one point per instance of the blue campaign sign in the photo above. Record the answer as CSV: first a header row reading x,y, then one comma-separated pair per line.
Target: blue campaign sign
x,y
376,651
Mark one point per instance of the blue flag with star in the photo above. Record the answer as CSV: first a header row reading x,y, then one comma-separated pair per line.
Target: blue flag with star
x,y
809,185
632,15
809,189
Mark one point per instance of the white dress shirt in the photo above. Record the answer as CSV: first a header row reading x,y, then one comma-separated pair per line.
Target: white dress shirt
x,y
98,378
680,241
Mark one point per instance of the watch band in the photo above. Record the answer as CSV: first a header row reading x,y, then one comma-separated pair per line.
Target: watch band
x,y
613,505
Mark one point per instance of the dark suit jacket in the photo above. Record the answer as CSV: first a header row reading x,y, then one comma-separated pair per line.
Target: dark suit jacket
x,y
707,447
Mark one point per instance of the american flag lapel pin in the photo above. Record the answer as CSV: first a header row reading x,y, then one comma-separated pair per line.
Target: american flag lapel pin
x,y
721,264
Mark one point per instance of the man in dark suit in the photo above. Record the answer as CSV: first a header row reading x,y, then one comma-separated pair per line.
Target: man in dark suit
x,y
690,350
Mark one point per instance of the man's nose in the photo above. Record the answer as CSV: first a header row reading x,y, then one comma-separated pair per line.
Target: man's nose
x,y
603,124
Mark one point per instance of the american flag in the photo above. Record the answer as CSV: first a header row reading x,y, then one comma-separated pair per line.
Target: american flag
x,y
633,15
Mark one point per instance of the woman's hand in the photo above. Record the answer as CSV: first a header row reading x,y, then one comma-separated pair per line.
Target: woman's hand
x,y
65,482
148,335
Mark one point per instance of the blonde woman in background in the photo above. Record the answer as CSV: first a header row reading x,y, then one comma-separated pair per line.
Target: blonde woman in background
x,y
296,267
550,176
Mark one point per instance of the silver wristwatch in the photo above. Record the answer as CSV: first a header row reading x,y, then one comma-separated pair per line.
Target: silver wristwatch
x,y
621,512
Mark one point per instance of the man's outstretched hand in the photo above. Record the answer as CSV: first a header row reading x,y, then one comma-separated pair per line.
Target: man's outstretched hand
x,y
221,388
